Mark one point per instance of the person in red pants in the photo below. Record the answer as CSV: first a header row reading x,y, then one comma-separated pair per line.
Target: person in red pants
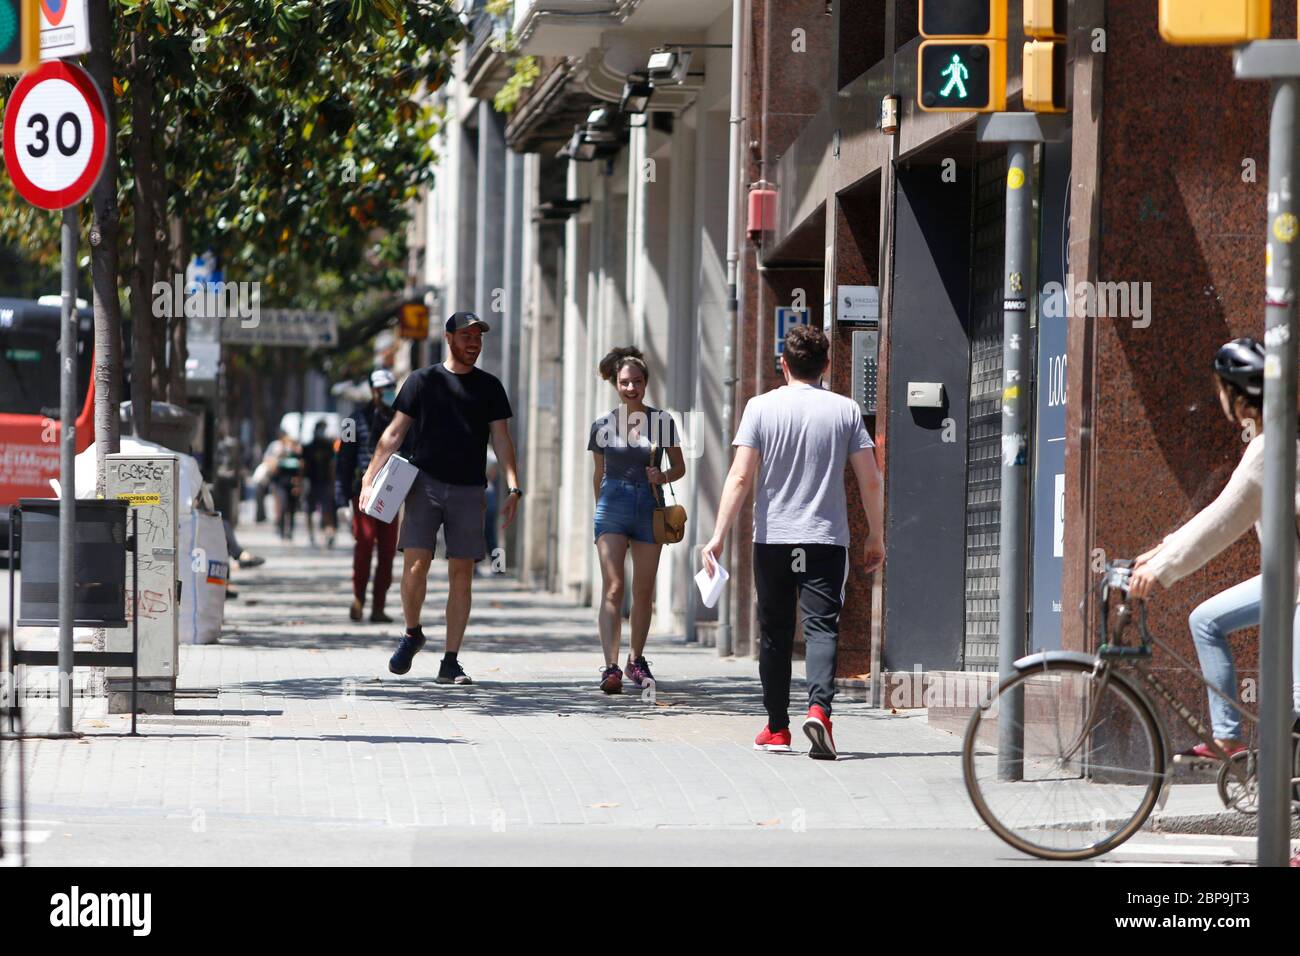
x,y
355,451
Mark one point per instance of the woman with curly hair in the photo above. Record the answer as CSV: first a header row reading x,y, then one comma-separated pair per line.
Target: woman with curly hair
x,y
623,482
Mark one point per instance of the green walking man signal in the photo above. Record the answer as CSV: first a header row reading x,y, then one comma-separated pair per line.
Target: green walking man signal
x,y
958,74
962,64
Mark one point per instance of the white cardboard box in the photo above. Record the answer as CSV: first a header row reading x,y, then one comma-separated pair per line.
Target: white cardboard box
x,y
390,488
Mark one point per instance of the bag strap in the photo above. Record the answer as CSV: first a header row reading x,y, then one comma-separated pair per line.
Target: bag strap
x,y
656,457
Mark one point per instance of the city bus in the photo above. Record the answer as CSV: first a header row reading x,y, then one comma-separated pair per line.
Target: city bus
x,y
29,399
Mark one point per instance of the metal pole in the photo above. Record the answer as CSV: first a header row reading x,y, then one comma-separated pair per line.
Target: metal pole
x,y
1012,568
1278,510
733,267
68,452
135,615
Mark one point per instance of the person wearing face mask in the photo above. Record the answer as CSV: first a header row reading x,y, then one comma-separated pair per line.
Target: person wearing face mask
x,y
370,534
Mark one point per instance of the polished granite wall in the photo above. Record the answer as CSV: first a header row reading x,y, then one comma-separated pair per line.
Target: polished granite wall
x,y
856,242
1162,196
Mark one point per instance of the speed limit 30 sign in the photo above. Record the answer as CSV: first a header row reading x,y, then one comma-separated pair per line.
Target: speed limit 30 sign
x,y
55,135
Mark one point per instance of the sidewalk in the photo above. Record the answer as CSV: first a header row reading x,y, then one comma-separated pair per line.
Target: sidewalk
x,y
291,731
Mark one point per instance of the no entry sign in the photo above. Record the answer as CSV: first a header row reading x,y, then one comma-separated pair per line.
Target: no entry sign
x,y
55,135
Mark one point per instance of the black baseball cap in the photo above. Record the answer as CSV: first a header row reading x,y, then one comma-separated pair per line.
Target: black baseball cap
x,y
463,320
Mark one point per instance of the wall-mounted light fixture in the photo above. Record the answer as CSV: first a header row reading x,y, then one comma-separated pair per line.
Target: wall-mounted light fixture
x,y
636,93
578,148
557,210
668,65
889,115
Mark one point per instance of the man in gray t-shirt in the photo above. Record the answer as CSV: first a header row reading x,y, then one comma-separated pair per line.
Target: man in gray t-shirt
x,y
792,447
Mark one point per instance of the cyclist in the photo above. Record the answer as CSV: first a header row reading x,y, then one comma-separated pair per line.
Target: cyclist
x,y
1239,367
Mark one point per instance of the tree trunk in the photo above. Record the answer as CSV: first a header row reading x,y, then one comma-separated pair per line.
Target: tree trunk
x,y
104,235
142,246
180,249
162,263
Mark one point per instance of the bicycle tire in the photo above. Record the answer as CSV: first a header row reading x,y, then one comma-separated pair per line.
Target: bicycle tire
x,y
1140,710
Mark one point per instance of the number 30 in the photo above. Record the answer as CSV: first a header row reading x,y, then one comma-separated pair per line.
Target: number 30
x,y
42,125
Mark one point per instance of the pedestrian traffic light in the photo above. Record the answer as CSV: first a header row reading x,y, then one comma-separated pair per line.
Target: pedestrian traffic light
x,y
962,65
20,35
1046,19
962,76
976,19
1044,76
1214,22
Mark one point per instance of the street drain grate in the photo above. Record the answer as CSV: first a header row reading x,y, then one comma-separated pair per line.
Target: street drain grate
x,y
195,721
629,740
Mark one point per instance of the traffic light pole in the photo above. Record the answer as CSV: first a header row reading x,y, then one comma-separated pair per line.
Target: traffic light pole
x,y
1021,132
1277,60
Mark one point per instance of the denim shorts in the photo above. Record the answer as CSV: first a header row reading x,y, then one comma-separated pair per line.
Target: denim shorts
x,y
626,508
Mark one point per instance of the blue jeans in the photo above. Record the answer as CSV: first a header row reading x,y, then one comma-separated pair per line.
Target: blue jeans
x,y
626,508
1211,623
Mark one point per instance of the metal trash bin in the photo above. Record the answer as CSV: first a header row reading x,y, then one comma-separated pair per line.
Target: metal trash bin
x,y
171,426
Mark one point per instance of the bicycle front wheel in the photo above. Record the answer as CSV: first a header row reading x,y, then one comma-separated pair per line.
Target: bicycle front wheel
x,y
1064,761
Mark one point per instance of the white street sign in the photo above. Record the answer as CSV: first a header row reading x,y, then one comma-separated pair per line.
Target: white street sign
x,y
283,327
65,29
858,304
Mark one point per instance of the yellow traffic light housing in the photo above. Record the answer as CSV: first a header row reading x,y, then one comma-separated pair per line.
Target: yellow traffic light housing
x,y
1046,19
1044,76
20,36
962,65
1214,22
974,19
962,76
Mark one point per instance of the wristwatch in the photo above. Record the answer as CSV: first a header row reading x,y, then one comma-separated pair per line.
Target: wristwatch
x,y
515,491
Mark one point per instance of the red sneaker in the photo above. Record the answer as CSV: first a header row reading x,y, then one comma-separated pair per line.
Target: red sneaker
x,y
769,740
1203,752
817,727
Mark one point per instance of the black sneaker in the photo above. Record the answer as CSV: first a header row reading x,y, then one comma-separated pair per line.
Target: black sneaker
x,y
407,648
452,673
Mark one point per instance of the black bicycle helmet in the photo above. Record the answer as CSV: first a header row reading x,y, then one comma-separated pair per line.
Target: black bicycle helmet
x,y
1241,363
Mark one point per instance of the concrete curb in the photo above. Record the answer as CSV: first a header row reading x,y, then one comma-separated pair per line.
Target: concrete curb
x,y
1216,824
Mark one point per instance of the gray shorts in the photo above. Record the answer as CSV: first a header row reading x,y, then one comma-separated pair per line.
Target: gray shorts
x,y
457,509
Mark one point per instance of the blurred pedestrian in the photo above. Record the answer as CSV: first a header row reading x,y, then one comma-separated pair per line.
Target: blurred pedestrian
x,y
318,468
228,483
371,535
284,462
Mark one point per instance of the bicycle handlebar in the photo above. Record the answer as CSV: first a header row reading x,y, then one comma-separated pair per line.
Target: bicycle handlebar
x,y
1116,575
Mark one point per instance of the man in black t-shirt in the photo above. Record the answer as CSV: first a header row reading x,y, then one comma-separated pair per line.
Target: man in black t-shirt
x,y
451,411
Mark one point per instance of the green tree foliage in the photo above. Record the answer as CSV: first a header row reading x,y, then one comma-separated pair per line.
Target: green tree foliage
x,y
290,137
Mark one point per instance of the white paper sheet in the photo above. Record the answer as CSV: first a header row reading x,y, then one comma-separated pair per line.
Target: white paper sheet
x,y
710,586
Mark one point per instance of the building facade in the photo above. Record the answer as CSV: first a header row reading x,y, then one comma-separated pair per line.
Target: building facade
x,y
1148,254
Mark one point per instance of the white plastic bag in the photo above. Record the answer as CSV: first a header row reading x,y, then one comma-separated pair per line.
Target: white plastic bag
x,y
205,571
